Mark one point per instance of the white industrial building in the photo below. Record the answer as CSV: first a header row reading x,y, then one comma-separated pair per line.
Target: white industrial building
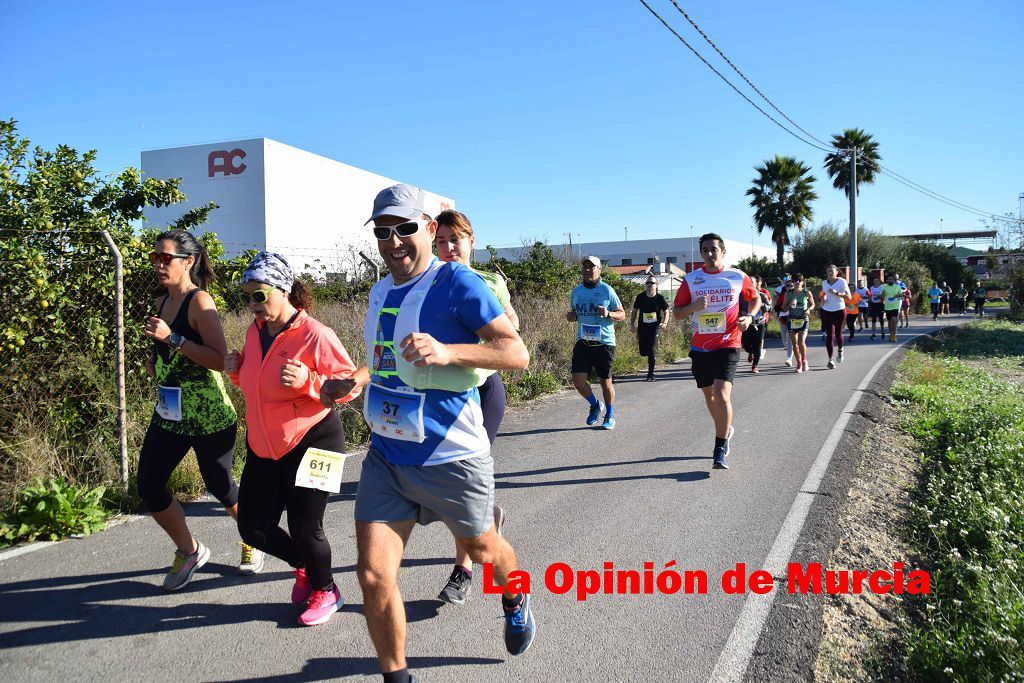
x,y
682,252
275,197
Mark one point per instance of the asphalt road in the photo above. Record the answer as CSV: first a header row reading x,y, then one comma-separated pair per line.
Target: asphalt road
x,y
93,609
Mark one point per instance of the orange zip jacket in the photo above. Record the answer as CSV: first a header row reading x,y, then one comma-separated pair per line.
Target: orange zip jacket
x,y
276,416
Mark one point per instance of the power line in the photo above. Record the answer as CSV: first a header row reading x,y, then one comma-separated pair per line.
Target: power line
x,y
743,76
831,148
729,83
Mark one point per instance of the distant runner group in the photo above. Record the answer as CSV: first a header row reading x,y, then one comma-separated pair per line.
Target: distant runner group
x,y
436,334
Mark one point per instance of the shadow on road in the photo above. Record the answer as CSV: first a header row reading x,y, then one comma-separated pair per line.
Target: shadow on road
x,y
323,669
693,475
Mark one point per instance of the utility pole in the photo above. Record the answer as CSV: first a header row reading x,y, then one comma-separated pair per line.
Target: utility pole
x,y
627,232
853,215
570,243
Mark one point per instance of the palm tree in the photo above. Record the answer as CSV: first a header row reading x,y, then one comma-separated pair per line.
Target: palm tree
x,y
782,196
837,164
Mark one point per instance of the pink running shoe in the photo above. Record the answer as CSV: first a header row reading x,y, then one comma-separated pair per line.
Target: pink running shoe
x,y
807,366
322,604
302,588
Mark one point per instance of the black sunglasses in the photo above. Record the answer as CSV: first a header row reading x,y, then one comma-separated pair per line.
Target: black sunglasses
x,y
384,232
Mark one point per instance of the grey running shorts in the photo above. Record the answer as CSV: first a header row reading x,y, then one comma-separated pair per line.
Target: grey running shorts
x,y
460,493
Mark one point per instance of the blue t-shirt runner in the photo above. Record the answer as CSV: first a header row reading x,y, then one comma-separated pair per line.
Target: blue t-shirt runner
x,y
457,303
590,326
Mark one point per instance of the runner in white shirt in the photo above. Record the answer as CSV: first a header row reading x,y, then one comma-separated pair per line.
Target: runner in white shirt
x,y
834,293
877,308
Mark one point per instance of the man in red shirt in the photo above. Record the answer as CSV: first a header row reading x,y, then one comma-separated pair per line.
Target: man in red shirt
x,y
711,297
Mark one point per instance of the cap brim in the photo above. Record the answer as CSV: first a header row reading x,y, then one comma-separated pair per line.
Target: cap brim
x,y
397,211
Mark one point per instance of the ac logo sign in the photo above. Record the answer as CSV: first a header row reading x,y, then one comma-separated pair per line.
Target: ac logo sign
x,y
225,162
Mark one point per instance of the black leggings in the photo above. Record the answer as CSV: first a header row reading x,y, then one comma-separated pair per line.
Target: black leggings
x,y
851,322
762,330
832,322
492,404
268,488
162,451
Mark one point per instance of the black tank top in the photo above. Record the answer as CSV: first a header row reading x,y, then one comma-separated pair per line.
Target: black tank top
x,y
180,325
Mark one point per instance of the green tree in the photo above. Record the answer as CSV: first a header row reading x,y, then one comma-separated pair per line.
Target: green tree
x,y
760,266
781,196
837,164
57,287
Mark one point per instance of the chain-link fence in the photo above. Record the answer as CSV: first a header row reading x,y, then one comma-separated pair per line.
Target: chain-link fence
x,y
60,406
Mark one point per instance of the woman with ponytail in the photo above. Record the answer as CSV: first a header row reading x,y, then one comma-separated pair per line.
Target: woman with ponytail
x,y
294,441
193,410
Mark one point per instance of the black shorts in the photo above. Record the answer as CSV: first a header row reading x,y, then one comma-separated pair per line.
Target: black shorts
x,y
877,309
596,357
707,366
891,313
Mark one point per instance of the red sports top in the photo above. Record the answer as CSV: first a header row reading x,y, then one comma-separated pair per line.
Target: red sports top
x,y
715,328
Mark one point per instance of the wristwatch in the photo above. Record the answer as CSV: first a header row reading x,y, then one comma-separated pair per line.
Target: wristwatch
x,y
175,341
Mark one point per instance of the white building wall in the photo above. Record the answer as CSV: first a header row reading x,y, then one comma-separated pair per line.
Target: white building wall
x,y
683,249
240,195
276,197
316,207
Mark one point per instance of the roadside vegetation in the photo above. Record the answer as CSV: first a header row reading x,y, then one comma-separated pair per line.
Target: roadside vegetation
x,y
962,399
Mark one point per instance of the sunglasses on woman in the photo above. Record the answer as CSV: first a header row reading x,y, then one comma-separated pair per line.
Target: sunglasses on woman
x,y
260,296
164,258
383,232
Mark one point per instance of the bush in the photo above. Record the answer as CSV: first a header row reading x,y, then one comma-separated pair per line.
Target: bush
x,y
969,516
52,511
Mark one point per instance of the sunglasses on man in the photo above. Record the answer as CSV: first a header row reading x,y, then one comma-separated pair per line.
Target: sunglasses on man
x,y
260,296
408,229
164,258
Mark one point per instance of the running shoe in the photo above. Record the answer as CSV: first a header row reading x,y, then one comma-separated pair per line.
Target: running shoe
x,y
499,518
892,338
872,335
520,628
799,366
302,588
252,560
839,358
789,361
185,566
728,439
831,364
595,412
720,455
457,589
807,366
755,370
609,422
650,377
322,604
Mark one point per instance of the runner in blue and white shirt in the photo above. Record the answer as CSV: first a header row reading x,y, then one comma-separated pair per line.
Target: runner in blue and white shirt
x,y
595,310
429,326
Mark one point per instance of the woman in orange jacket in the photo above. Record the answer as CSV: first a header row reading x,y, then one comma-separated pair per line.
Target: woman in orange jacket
x,y
293,440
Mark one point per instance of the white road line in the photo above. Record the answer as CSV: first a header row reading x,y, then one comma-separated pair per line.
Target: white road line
x,y
732,663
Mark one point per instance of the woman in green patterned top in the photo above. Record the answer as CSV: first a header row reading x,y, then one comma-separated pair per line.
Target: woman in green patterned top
x,y
455,243
193,410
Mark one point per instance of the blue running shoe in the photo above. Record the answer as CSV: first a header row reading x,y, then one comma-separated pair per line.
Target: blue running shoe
x,y
609,423
520,628
595,412
720,455
728,441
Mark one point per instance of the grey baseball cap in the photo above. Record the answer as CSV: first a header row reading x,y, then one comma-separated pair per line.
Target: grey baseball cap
x,y
593,260
404,201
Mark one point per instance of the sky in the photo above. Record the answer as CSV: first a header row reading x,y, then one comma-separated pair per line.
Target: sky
x,y
542,118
